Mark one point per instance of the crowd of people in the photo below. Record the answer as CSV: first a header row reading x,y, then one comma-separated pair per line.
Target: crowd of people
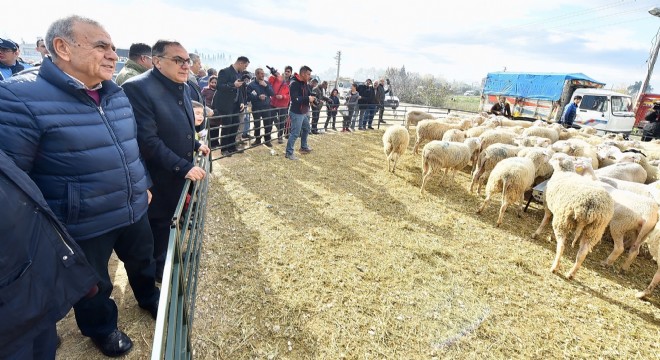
x,y
97,166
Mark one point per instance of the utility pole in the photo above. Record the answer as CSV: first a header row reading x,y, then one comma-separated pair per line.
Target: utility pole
x,y
338,58
651,62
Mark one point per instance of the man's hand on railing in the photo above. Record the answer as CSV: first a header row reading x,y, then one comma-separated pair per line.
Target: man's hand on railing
x,y
204,149
196,173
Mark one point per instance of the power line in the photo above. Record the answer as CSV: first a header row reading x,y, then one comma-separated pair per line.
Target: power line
x,y
580,13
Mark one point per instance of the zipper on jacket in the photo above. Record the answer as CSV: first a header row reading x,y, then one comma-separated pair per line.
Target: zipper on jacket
x,y
60,235
123,158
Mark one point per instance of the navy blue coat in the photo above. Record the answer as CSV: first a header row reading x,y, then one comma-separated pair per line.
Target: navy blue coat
x,y
84,158
166,134
43,272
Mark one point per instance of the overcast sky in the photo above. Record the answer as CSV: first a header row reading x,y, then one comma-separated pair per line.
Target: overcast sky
x,y
607,40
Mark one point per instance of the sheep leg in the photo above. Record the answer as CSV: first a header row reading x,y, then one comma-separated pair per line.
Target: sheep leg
x,y
443,175
476,177
618,248
426,174
647,226
396,158
416,147
649,289
578,232
505,204
389,159
561,242
585,247
546,218
483,205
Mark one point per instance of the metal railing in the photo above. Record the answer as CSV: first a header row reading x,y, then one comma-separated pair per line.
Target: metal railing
x,y
176,308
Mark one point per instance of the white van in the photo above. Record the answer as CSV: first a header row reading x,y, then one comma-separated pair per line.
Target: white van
x,y
604,110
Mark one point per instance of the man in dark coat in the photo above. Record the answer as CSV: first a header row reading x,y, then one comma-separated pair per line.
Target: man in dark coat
x,y
367,104
228,102
44,271
72,130
652,128
166,134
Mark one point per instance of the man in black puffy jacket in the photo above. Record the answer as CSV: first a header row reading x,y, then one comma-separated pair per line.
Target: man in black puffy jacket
x,y
72,130
43,271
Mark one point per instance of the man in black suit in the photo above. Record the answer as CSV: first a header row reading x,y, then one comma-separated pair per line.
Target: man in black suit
x,y
228,101
163,111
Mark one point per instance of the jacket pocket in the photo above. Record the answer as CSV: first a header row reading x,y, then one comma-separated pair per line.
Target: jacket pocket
x,y
73,202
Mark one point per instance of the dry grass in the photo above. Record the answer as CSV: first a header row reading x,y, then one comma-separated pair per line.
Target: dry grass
x,y
332,257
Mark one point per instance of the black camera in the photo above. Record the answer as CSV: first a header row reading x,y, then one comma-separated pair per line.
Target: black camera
x,y
273,71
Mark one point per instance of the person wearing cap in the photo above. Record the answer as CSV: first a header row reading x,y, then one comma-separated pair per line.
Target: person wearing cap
x,y
72,130
139,61
9,60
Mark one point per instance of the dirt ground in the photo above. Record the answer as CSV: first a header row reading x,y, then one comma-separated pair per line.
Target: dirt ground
x,y
332,257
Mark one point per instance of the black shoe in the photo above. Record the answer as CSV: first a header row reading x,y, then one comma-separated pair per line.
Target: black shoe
x,y
315,132
226,154
370,128
115,344
382,121
152,309
280,141
268,144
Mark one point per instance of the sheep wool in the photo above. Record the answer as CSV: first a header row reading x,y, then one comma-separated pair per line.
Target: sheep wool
x,y
576,205
438,155
435,129
395,143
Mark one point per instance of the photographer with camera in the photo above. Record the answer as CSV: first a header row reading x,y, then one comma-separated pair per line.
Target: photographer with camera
x,y
279,102
301,98
259,93
229,101
319,93
652,128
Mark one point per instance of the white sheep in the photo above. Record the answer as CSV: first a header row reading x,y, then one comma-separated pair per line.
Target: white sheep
x,y
487,160
435,129
624,171
545,132
577,147
576,205
495,136
395,143
512,177
653,242
454,135
415,116
632,212
533,141
438,155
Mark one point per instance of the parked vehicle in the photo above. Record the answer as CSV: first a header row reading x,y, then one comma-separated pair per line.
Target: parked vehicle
x,y
471,93
646,102
391,101
544,95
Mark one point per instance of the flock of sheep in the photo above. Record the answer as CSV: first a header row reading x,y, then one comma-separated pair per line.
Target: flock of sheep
x,y
594,182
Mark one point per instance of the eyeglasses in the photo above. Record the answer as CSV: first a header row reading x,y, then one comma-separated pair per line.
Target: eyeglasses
x,y
177,60
147,56
4,50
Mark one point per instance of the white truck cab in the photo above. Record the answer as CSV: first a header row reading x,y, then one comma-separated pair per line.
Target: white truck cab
x,y
604,110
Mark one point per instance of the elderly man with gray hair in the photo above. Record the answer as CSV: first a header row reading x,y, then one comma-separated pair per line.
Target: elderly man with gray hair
x,y
72,130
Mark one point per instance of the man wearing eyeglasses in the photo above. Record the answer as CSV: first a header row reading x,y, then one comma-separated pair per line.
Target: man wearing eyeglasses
x,y
72,130
139,61
9,64
166,134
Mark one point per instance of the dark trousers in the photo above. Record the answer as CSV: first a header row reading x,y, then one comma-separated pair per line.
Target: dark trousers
x,y
315,119
133,244
280,115
229,131
257,115
43,346
381,110
331,114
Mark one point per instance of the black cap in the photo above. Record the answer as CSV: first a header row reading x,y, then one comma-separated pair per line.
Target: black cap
x,y
8,44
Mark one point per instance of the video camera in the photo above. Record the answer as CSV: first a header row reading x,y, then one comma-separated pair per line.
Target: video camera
x,y
273,71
